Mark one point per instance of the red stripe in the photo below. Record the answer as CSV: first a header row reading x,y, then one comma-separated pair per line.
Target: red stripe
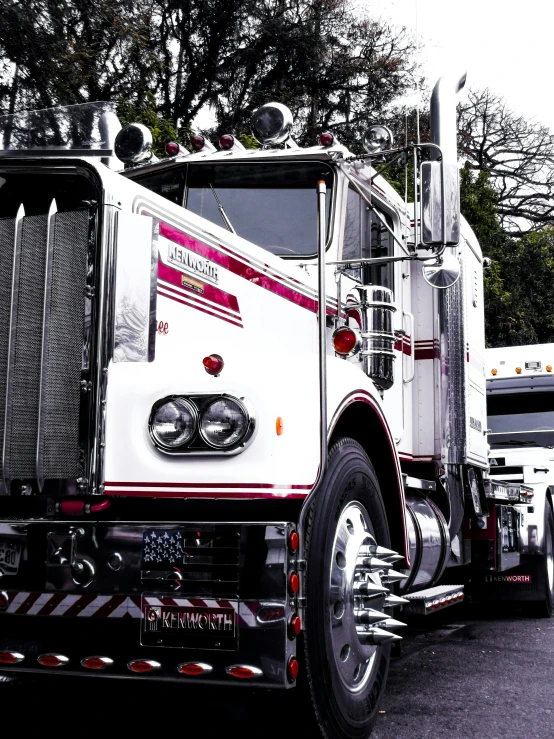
x,y
250,273
215,308
226,300
209,485
201,494
54,601
403,345
197,307
110,606
431,352
27,603
77,607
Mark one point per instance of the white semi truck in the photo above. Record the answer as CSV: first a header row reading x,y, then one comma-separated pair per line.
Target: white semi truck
x,y
242,407
520,409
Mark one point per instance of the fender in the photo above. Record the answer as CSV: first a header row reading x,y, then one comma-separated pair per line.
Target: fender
x,y
360,417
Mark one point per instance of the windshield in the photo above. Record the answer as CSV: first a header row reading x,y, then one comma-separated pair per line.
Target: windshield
x,y
272,204
521,419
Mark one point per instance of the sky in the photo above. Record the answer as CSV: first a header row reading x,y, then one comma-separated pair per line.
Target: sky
x,y
504,45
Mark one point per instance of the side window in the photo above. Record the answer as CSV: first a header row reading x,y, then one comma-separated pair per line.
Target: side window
x,y
365,236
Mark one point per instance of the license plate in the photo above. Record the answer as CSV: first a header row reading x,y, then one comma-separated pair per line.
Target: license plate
x,y
10,554
174,624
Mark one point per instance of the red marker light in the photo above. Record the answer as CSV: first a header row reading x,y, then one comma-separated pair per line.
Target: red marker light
x,y
294,541
344,340
172,148
292,669
143,665
226,141
213,364
326,139
97,663
295,626
11,658
52,660
193,669
294,583
243,672
197,142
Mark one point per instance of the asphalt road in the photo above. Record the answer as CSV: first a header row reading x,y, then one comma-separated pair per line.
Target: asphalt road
x,y
472,674
461,674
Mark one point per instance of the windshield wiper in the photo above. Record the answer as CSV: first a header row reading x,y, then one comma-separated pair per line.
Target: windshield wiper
x,y
226,220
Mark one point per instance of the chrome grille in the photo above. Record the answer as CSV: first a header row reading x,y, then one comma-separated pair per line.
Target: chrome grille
x,y
41,343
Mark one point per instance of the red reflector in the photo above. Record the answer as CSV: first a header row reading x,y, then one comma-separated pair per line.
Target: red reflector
x,y
294,583
295,625
4,600
197,142
344,340
243,672
292,669
52,660
97,663
172,148
143,665
294,541
72,507
326,139
11,658
266,614
194,668
226,141
213,364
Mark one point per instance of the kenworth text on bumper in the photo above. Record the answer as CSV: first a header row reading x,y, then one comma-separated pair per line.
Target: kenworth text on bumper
x,y
243,417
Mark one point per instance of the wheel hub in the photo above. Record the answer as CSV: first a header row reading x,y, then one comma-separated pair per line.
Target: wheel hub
x,y
359,592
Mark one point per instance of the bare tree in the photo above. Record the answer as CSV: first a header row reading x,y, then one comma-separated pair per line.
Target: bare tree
x,y
518,155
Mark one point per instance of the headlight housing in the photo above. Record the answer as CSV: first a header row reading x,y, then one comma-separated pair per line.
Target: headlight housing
x,y
201,424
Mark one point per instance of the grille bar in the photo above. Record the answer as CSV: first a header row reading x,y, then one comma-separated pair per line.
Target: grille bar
x,y
7,240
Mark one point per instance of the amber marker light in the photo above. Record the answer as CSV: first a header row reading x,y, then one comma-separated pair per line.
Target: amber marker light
x,y
494,371
518,370
549,368
279,426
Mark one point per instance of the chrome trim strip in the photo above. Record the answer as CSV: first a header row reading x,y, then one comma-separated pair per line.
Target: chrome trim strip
x,y
45,337
11,346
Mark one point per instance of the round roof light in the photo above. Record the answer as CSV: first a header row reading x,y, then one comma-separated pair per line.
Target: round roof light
x,y
272,124
227,141
172,148
326,139
133,143
378,138
197,142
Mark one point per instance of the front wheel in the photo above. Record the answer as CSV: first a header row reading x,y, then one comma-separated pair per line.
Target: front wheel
x,y
348,629
545,568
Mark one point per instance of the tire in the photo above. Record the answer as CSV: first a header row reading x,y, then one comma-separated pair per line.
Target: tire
x,y
345,706
545,569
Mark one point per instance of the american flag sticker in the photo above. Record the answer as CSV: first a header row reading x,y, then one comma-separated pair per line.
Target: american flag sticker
x,y
162,547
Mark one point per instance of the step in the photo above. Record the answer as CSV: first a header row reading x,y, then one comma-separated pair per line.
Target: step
x,y
432,600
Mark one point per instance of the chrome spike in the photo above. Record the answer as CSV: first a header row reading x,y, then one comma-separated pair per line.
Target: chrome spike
x,y
379,636
369,589
391,601
392,623
384,552
374,564
393,558
371,616
394,576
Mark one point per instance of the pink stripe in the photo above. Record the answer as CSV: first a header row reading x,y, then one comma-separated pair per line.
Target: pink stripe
x,y
212,293
250,273
192,297
77,607
208,485
54,601
196,306
202,494
27,603
110,606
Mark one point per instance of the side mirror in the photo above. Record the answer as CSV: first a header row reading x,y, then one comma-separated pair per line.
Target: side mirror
x,y
440,188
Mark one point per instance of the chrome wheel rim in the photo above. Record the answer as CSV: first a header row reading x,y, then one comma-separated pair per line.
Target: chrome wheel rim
x,y
550,559
354,539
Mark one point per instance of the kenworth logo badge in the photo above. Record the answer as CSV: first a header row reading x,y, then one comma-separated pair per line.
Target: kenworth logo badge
x,y
508,578
188,260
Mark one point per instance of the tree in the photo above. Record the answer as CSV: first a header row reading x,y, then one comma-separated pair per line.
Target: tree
x,y
518,156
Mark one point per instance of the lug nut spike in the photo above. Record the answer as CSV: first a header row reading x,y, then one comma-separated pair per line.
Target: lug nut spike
x,y
384,552
392,623
370,590
371,616
391,601
380,636
375,564
394,576
393,558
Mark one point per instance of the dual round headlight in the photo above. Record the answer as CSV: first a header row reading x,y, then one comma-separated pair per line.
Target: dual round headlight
x,y
199,424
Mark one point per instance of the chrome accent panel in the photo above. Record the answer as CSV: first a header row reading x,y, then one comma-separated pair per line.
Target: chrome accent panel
x,y
428,542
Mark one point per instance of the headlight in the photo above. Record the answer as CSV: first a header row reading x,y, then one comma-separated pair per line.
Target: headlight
x,y
224,423
174,423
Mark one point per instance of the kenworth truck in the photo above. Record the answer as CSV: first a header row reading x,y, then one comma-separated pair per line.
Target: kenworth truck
x,y
242,407
520,406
